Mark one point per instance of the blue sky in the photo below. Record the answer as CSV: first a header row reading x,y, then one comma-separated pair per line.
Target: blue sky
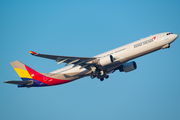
x,y
87,28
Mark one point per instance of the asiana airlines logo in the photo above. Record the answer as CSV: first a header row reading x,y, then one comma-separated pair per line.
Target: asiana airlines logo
x,y
145,42
154,38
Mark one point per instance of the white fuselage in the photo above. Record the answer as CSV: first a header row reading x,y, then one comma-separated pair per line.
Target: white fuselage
x,y
125,53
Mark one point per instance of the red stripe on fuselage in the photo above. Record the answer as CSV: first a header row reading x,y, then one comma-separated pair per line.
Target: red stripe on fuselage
x,y
42,78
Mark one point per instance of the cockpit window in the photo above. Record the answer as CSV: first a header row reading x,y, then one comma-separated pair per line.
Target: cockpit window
x,y
169,33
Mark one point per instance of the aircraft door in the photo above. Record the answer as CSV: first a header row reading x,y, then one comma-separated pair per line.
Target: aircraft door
x,y
157,40
127,47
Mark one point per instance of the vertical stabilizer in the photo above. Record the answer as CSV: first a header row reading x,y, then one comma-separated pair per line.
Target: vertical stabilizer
x,y
32,78
21,70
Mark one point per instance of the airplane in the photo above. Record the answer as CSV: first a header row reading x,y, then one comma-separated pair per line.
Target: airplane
x,y
98,66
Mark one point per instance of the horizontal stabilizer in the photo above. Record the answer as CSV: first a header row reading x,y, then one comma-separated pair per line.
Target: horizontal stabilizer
x,y
19,82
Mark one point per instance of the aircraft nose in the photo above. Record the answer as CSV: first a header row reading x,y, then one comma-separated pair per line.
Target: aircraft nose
x,y
175,36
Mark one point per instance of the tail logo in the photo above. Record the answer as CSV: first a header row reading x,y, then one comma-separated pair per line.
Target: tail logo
x,y
22,73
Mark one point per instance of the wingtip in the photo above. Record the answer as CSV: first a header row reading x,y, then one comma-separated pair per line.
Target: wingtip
x,y
33,53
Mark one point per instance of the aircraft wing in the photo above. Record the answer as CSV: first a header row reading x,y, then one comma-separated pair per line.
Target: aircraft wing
x,y
82,61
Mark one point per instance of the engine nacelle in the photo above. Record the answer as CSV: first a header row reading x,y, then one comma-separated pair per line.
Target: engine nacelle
x,y
106,60
128,67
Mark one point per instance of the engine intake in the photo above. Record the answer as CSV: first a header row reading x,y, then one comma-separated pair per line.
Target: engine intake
x,y
106,60
128,67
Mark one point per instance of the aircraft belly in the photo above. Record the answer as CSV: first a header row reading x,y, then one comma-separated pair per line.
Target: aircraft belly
x,y
70,75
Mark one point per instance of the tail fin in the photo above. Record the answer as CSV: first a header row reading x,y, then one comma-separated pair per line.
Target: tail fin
x,y
32,78
21,70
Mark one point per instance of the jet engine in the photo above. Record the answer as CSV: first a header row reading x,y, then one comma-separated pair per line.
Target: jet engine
x,y
128,67
106,60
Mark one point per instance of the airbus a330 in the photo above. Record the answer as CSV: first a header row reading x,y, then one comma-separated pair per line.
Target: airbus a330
x,y
96,67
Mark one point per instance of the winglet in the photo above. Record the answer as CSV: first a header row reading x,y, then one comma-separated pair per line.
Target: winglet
x,y
33,53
